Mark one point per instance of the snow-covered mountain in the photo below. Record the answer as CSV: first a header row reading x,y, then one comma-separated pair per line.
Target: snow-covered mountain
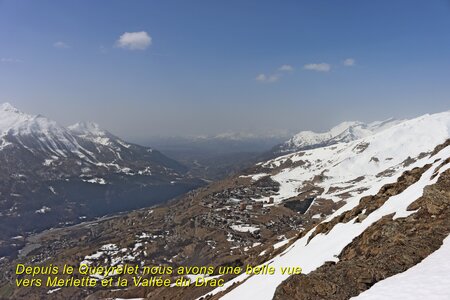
x,y
344,132
47,142
41,161
20,129
395,177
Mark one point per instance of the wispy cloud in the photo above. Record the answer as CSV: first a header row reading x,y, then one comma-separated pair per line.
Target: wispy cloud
x,y
286,68
322,67
60,45
134,40
267,78
274,76
10,60
261,77
349,62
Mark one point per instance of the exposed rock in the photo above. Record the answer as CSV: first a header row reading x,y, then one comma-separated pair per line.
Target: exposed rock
x,y
371,203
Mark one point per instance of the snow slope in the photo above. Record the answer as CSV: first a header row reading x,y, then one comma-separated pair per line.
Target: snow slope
x,y
397,149
322,248
361,164
427,280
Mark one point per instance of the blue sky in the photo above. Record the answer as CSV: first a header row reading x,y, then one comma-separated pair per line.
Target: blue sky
x,y
205,67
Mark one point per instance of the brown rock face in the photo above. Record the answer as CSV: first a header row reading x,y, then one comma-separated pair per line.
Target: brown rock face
x,y
386,248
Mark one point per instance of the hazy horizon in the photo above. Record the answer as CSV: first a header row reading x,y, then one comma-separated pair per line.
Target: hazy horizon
x,y
172,69
279,135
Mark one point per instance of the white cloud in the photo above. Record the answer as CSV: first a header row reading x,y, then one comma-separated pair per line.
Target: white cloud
x,y
10,60
261,77
134,40
267,78
349,62
322,67
286,68
61,45
276,75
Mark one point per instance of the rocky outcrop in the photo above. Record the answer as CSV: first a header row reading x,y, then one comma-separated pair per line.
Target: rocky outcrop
x,y
370,203
386,248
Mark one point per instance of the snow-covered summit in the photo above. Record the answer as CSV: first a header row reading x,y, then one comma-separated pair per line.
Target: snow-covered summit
x,y
47,139
16,123
87,129
344,132
10,117
8,107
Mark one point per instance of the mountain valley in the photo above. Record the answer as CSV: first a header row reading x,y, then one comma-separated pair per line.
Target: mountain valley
x,y
344,210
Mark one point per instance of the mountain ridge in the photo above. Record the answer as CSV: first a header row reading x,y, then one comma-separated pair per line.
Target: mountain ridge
x,y
344,132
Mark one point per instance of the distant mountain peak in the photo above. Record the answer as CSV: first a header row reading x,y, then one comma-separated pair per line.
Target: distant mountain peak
x,y
7,107
338,129
344,132
242,135
86,142
87,128
234,135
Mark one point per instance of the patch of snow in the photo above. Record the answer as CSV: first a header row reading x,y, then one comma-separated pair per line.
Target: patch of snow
x,y
109,247
95,180
257,177
137,246
144,236
244,228
123,144
52,190
281,244
44,209
146,171
53,290
94,256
